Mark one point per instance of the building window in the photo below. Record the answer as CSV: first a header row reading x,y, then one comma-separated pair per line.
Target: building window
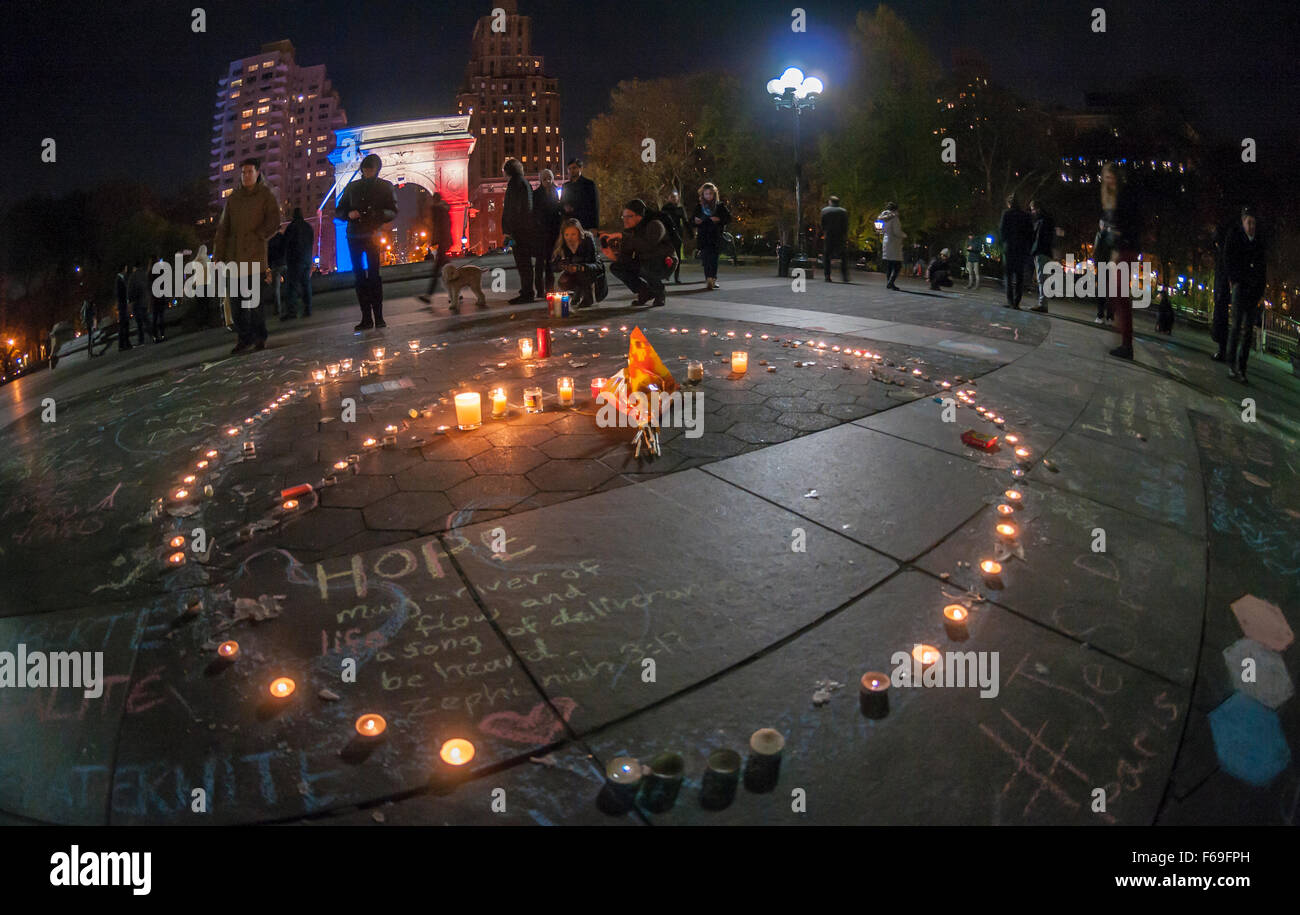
x,y
226,192
245,125
264,109
259,135
228,167
246,113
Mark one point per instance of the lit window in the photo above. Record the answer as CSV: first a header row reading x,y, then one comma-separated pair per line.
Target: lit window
x,y
494,130
245,125
235,94
484,130
228,167
259,135
548,129
236,82
246,113
321,137
226,192
264,109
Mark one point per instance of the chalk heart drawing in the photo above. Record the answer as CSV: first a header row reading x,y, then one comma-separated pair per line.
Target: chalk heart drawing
x,y
537,727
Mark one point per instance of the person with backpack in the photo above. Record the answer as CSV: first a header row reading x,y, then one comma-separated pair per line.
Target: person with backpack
x,y
710,218
576,264
644,255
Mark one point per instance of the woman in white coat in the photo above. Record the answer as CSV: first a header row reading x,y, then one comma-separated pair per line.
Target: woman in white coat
x,y
891,247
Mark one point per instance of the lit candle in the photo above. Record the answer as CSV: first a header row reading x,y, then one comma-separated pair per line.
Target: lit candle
x,y
739,362
469,410
764,766
282,687
369,443
318,375
992,572
228,651
533,400
390,428
341,465
721,775
1022,453
414,345
873,694
232,431
564,388
332,369
189,478
1017,472
925,655
955,617
345,365
1014,496
371,726
695,372
1005,510
176,559
1011,439
456,752
525,348
289,504
499,403
176,542
1007,531
597,385
181,494
379,354
211,454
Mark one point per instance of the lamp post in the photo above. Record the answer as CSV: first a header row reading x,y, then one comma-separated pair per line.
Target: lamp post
x,y
798,93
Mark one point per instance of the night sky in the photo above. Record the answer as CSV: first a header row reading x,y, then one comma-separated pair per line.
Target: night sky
x,y
127,89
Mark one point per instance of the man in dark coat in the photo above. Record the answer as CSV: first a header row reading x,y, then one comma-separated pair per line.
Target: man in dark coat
x,y
1041,250
1017,234
547,216
1222,295
277,260
517,222
298,241
368,204
579,198
88,322
645,256
835,235
676,214
157,307
1245,258
440,215
251,216
137,292
121,288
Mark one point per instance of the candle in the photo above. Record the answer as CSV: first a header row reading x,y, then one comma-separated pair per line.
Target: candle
x,y
695,372
659,792
564,388
345,365
1017,472
543,347
499,403
369,443
1012,439
764,766
390,428
371,726
379,354
282,687
233,430
176,559
739,362
1015,497
250,450
597,385
341,465
1005,510
469,410
228,651
289,504
992,573
316,375
189,478
176,542
332,369
181,494
925,655
414,345
1022,453
456,752
873,694
210,454
721,775
533,400
525,348
301,489
955,617
1007,531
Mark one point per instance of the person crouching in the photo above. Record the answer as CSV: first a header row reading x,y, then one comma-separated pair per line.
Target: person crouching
x,y
575,263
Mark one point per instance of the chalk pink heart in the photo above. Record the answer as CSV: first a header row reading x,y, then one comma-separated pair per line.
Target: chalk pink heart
x,y
540,726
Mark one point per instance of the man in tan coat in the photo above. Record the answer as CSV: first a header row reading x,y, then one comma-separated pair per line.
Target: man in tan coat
x,y
250,218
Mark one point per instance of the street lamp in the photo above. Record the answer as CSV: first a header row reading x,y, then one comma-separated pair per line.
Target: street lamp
x,y
798,93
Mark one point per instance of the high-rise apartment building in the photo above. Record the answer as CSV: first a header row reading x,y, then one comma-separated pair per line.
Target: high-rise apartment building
x,y
271,108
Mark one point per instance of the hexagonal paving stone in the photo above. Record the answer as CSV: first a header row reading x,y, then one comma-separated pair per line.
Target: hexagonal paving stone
x,y
575,446
503,436
740,413
534,419
807,422
507,460
623,459
728,396
763,433
793,404
569,475
491,491
575,424
408,511
319,529
716,445
847,412
357,491
388,461
437,476
454,446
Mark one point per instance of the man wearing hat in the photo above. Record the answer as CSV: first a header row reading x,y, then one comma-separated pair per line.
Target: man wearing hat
x,y
367,204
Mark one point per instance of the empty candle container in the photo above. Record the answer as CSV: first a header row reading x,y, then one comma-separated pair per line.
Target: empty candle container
x,y
873,694
721,776
764,766
695,372
659,789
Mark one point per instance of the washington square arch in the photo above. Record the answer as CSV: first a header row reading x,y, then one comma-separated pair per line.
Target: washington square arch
x,y
431,154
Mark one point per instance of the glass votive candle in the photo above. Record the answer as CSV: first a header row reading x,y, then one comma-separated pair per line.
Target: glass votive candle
x,y
564,389
414,345
499,403
379,354
318,375
332,369
533,400
345,365
597,385
739,362
695,372
525,347
469,410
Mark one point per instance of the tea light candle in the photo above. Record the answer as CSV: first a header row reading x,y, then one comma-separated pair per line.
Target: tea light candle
x,y
564,388
1011,439
228,651
369,443
499,403
390,428
379,354
740,362
332,369
233,430
176,559
925,655
181,495
992,570
188,478
469,410
695,372
289,504
318,375
525,348
1005,510
211,453
201,465
955,617
456,752
414,345
345,365
1023,453
533,400
1007,530
341,465
1015,497
371,726
176,542
597,385
873,694
282,687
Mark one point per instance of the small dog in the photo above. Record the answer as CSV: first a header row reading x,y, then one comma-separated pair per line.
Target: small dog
x,y
458,278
